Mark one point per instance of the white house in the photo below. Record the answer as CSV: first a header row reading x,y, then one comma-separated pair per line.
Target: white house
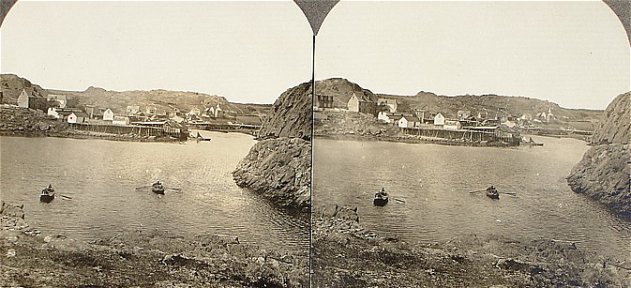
x,y
218,112
383,116
108,115
195,111
408,122
439,119
72,118
23,99
391,103
52,111
120,120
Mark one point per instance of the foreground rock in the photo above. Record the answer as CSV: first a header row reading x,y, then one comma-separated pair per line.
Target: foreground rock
x,y
142,259
347,255
278,167
603,173
280,170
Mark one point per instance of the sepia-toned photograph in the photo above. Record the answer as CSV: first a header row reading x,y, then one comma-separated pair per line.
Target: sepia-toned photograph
x,y
148,144
471,144
315,143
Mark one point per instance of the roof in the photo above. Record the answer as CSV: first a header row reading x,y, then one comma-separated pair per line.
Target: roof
x,y
411,118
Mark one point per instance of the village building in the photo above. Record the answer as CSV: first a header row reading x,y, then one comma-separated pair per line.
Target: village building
x,y
390,103
324,101
452,125
132,110
151,110
209,112
52,112
439,119
526,117
362,104
23,99
76,117
482,115
89,109
542,116
463,114
195,111
219,113
408,121
120,120
62,100
177,119
108,115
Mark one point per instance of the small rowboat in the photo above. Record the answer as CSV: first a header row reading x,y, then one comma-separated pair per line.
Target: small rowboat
x,y
157,188
47,195
492,193
381,199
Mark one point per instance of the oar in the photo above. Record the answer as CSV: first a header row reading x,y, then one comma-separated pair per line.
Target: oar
x,y
396,199
142,187
476,191
64,196
510,193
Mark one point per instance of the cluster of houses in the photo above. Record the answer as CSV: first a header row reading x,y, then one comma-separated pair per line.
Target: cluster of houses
x,y
385,109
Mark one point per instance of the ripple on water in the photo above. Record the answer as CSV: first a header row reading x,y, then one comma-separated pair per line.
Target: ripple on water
x,y
102,177
436,183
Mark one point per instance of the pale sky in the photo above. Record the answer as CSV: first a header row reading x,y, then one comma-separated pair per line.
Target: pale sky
x,y
573,53
245,51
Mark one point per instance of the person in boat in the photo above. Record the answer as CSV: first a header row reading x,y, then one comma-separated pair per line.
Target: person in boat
x,y
48,189
381,193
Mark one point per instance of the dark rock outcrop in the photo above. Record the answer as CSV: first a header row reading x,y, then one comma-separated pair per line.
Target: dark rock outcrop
x,y
279,166
603,173
290,115
280,170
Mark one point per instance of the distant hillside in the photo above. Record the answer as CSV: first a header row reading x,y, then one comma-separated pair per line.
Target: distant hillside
x,y
12,86
163,99
342,90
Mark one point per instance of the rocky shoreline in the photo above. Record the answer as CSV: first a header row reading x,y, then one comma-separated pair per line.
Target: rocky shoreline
x,y
278,167
21,122
279,170
142,259
348,255
410,139
603,173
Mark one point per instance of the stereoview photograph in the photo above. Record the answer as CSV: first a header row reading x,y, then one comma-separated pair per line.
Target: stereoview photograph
x,y
471,144
151,144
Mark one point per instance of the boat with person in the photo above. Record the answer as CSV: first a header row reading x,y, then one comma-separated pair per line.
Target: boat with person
x,y
492,193
157,188
48,194
199,137
381,198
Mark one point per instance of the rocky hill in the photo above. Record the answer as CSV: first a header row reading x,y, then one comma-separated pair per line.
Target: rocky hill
x,y
342,89
12,85
603,173
291,114
162,99
279,167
